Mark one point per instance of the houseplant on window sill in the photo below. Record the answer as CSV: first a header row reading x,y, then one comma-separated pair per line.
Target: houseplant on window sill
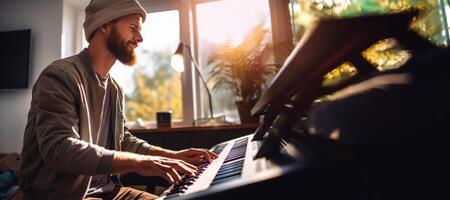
x,y
244,69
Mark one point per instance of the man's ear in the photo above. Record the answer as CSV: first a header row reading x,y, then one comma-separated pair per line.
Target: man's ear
x,y
106,28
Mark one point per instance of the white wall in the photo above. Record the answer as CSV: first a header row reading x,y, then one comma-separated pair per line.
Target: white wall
x,y
68,29
44,18
75,19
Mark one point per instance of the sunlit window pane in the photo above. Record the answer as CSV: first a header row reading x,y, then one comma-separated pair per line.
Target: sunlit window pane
x,y
386,54
151,85
226,22
431,23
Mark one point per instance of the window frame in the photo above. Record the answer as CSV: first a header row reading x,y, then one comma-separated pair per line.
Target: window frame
x,y
153,6
191,88
280,27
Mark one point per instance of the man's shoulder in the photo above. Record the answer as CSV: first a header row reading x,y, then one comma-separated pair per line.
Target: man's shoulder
x,y
70,65
66,64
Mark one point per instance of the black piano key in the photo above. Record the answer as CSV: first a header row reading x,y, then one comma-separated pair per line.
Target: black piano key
x,y
241,141
239,149
202,165
189,183
232,164
235,154
238,146
177,191
238,165
225,179
228,174
222,176
180,187
233,158
233,161
238,169
172,196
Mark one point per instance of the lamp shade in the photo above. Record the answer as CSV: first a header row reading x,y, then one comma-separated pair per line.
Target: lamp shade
x,y
177,61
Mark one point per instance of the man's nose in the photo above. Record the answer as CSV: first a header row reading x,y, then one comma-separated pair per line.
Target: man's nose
x,y
138,37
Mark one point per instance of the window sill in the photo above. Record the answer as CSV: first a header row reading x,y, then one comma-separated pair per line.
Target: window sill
x,y
178,129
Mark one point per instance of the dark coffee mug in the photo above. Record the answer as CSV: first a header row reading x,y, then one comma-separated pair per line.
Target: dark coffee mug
x,y
163,119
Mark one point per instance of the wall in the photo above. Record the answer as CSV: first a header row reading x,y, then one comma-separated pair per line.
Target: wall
x,y
68,29
73,18
44,18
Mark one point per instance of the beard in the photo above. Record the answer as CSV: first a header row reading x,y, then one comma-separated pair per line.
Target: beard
x,y
119,48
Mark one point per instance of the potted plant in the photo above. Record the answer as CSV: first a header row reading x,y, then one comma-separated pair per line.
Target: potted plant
x,y
245,69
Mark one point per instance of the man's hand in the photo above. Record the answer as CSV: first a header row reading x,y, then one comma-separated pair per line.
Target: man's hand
x,y
191,155
167,168
195,156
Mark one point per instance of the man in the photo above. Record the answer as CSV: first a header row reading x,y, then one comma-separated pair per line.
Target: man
x,y
76,135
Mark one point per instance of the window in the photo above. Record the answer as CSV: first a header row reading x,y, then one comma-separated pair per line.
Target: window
x,y
151,85
432,23
205,25
226,22
386,54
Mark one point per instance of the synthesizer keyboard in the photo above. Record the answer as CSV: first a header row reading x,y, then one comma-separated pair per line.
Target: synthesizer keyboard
x,y
234,164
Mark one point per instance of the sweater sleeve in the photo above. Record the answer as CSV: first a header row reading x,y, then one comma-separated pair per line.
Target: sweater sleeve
x,y
57,99
133,144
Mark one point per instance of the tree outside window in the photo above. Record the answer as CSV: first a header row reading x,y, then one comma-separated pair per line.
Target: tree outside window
x,y
151,85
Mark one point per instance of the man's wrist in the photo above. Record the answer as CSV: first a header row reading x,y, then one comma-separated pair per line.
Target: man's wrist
x,y
124,162
158,151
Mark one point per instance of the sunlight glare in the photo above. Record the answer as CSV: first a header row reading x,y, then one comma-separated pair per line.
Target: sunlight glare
x,y
229,20
177,63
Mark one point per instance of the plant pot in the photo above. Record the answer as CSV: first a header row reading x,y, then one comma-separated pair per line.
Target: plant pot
x,y
244,109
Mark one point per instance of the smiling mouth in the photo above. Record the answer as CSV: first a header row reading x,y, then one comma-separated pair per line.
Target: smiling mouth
x,y
133,46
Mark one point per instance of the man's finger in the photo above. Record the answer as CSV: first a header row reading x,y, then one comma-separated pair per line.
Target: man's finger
x,y
179,166
208,153
194,160
189,165
186,164
174,174
206,156
168,178
168,172
212,154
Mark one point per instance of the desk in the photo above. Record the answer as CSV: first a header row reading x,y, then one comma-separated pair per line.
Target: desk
x,y
177,138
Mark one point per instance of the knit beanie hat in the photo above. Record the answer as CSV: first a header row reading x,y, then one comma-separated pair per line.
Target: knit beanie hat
x,y
100,12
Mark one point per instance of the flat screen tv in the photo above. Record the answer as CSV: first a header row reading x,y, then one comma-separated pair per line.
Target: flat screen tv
x,y
14,59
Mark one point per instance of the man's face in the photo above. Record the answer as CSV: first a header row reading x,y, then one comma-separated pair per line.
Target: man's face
x,y
124,38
